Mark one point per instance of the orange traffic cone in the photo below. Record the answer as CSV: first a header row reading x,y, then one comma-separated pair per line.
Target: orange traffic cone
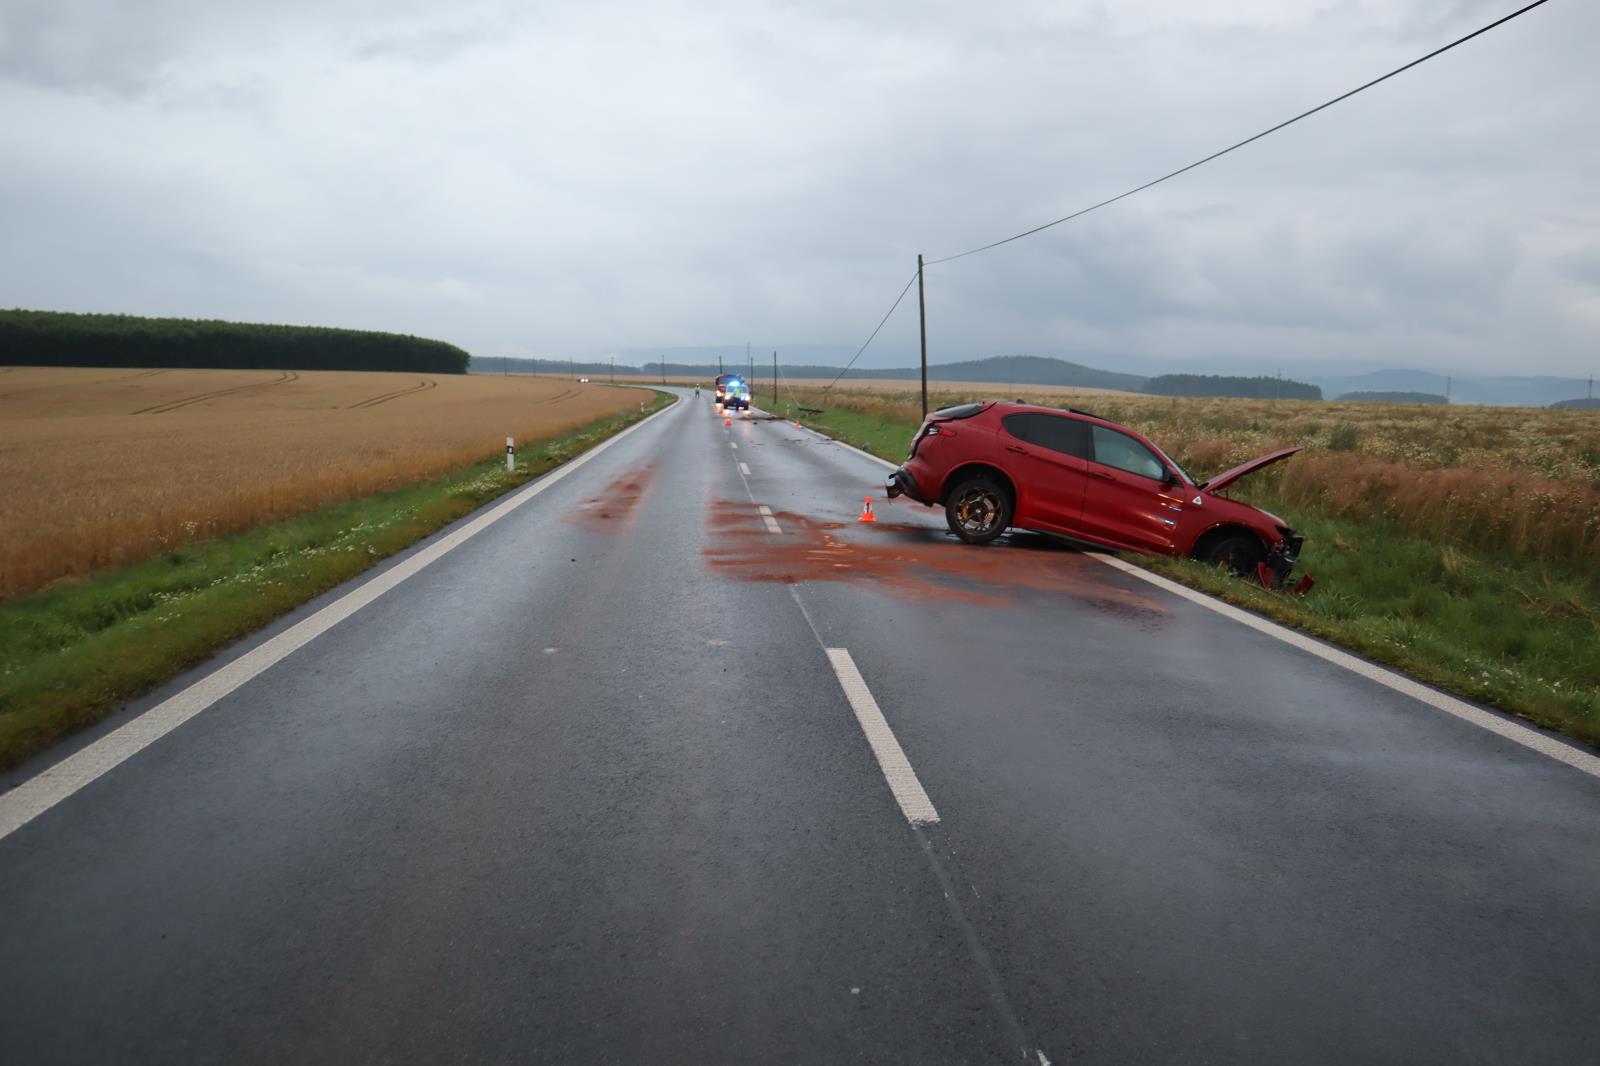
x,y
866,512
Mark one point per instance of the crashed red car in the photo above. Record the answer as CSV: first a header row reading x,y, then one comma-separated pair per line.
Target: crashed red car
x,y
994,466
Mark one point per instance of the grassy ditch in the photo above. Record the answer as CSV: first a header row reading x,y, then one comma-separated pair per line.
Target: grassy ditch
x,y
71,654
1507,628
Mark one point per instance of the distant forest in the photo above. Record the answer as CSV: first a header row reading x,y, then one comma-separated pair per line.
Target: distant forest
x,y
52,338
1395,397
1265,388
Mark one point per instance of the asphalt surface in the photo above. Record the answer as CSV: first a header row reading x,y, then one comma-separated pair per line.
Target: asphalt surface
x,y
588,789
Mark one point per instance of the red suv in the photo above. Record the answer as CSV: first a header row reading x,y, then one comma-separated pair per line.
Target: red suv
x,y
992,466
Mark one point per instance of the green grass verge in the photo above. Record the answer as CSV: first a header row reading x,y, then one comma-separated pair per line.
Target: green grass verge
x,y
886,438
1515,633
71,654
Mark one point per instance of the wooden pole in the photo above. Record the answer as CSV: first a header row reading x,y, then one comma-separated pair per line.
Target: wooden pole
x,y
922,319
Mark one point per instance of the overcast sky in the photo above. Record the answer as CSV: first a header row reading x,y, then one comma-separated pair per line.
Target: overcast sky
x,y
550,178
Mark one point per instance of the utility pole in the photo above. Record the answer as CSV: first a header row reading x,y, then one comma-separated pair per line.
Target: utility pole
x,y
1448,381
774,379
663,370
922,320
613,370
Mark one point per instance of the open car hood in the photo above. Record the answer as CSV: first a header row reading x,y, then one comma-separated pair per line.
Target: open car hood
x,y
1223,480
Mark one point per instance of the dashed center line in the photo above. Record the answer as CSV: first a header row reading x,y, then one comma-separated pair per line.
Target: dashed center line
x,y
744,468
908,792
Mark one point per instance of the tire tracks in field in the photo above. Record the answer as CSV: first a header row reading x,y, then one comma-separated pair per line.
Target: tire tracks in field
x,y
555,399
372,401
284,378
128,377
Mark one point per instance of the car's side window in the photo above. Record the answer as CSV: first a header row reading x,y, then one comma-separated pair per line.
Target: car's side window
x,y
1123,452
1017,425
1059,434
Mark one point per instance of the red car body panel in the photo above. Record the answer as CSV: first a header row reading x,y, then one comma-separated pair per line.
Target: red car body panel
x,y
1092,480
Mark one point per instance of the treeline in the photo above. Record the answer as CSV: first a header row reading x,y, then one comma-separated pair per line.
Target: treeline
x,y
1263,388
52,338
1395,397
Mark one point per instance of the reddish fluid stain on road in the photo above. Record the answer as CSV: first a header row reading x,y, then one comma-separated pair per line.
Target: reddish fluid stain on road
x,y
614,508
912,562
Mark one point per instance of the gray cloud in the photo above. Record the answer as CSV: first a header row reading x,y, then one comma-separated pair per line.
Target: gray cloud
x,y
580,176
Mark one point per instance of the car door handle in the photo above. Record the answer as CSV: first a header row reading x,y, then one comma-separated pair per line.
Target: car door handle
x,y
1101,475
1016,448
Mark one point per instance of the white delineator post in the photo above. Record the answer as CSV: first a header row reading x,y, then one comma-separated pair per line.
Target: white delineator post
x,y
511,456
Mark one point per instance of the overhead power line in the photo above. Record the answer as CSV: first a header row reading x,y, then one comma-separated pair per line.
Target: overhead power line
x,y
1233,147
869,340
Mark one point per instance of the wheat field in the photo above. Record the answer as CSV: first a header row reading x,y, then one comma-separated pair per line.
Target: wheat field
x,y
101,468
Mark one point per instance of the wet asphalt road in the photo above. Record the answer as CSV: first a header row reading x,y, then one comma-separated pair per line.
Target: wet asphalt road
x,y
587,789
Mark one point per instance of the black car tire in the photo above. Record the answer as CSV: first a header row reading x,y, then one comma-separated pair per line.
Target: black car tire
x,y
978,510
1239,552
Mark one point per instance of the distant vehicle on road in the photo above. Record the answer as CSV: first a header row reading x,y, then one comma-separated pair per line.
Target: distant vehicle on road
x,y
732,392
994,466
583,381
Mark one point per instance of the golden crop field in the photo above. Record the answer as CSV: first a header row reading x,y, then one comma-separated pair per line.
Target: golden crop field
x,y
105,467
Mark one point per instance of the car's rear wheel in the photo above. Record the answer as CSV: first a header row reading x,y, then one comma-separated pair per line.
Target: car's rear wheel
x,y
978,510
1238,552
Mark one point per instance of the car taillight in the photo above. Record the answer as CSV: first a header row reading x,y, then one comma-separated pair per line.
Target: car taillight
x,y
935,429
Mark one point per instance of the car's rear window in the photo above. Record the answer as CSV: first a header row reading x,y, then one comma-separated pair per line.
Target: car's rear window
x,y
961,410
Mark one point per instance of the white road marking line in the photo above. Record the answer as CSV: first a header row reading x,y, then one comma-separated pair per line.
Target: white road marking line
x,y
1513,731
1526,735
766,512
732,445
49,787
914,802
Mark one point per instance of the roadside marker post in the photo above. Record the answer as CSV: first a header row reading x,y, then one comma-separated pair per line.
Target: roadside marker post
x,y
511,456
